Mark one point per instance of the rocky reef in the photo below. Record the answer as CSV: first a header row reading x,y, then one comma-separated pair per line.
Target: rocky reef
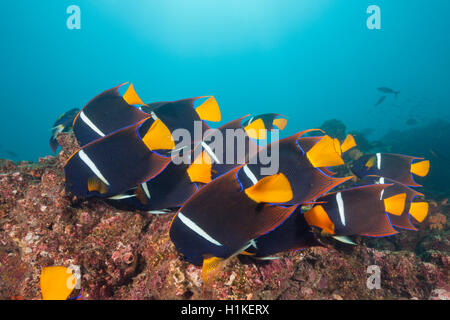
x,y
128,255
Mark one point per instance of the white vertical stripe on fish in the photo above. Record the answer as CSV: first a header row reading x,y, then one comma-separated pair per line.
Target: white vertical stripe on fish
x,y
83,156
250,174
340,203
379,161
90,124
210,152
191,225
145,188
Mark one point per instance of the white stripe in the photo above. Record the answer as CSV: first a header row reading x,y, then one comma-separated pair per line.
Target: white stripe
x,y
90,124
154,116
250,121
381,194
340,203
379,161
158,211
121,196
210,152
145,188
250,174
381,180
83,156
191,225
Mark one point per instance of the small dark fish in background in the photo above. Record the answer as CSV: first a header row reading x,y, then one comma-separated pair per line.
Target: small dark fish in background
x,y
11,153
412,122
388,90
62,124
380,101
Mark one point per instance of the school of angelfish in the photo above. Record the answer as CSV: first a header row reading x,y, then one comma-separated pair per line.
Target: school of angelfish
x,y
229,209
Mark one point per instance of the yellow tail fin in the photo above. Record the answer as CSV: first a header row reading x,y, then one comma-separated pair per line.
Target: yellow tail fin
x,y
325,153
159,137
348,143
395,204
318,217
421,168
256,130
280,123
57,283
419,210
275,188
209,110
200,169
131,97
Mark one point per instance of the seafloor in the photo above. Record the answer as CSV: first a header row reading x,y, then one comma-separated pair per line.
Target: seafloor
x,y
128,255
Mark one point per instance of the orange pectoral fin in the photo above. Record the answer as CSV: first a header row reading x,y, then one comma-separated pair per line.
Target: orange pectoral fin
x,y
421,168
395,204
419,210
325,153
95,184
211,267
159,137
318,217
209,110
131,97
271,189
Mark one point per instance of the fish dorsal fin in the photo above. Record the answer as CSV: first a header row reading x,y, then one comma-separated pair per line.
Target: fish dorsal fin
x,y
318,217
211,267
95,184
159,137
420,168
256,130
419,210
348,143
325,153
57,283
274,189
395,204
280,123
209,110
131,97
200,169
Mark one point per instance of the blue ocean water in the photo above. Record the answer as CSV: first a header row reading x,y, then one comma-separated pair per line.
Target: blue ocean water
x,y
310,60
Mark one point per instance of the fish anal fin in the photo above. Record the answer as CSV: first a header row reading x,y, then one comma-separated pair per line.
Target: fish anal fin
x,y
200,169
159,137
209,110
325,153
256,130
421,168
395,204
57,283
275,188
131,97
419,210
318,217
211,267
348,143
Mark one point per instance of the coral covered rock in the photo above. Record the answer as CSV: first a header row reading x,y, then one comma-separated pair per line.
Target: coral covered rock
x,y
129,255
